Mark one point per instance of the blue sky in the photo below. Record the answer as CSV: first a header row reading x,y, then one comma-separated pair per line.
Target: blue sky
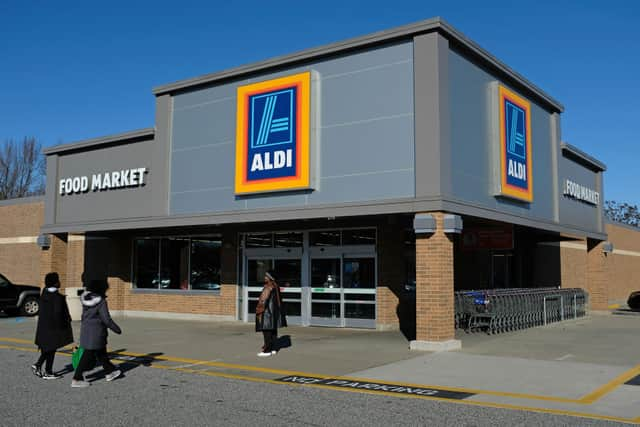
x,y
74,70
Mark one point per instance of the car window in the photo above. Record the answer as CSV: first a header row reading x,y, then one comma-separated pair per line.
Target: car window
x,y
3,282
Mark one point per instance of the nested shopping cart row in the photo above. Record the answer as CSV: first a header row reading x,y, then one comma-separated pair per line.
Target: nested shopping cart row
x,y
500,310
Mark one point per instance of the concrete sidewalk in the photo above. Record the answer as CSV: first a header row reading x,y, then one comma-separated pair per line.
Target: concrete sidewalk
x,y
578,367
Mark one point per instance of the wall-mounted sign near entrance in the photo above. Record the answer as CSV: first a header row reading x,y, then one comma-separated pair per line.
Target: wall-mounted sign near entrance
x,y
580,192
516,171
102,181
272,135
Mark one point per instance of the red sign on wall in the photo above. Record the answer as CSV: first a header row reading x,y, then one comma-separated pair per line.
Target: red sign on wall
x,y
498,237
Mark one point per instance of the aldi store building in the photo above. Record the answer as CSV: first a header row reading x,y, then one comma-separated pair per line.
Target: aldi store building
x,y
375,176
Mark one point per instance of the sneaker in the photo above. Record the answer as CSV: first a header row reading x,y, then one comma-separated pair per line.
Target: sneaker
x,y
51,376
78,383
36,371
113,375
263,354
273,352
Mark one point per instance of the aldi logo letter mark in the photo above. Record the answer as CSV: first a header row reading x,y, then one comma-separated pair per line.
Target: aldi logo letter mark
x,y
516,180
272,135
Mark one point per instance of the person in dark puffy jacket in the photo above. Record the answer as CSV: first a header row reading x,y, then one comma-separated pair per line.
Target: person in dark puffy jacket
x,y
54,326
93,333
268,314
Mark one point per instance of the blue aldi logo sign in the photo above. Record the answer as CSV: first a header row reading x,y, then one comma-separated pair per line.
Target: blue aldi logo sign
x,y
516,180
272,130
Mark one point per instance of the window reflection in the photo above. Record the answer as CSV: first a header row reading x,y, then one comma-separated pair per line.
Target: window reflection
x,y
324,238
359,273
325,273
205,264
147,253
179,263
359,237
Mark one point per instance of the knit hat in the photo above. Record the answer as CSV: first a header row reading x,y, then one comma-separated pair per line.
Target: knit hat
x,y
271,275
52,280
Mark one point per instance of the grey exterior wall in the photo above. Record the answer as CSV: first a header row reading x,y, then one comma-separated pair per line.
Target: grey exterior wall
x,y
473,146
576,212
133,202
364,142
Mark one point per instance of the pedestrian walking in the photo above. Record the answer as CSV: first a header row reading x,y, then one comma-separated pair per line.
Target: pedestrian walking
x,y
269,316
53,330
93,333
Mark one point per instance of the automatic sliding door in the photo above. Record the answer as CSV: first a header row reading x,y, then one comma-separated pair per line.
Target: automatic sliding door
x,y
290,281
289,273
359,288
326,307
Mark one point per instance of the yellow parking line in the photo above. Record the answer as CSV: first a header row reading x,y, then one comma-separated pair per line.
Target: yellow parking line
x,y
461,402
613,306
585,400
611,385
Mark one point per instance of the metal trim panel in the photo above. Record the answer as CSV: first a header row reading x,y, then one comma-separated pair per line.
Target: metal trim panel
x,y
406,31
589,161
110,139
327,211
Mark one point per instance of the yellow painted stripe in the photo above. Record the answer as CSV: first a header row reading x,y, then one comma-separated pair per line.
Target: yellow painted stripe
x,y
613,306
461,402
585,400
611,385
307,374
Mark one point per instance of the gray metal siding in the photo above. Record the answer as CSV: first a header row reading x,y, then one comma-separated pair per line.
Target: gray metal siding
x,y
133,202
474,151
364,144
573,212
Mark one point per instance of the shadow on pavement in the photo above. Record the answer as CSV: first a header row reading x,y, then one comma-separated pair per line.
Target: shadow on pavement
x,y
283,342
128,363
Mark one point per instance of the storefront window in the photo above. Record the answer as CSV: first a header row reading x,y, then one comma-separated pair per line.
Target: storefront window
x,y
324,238
205,264
147,262
359,237
177,263
288,240
259,240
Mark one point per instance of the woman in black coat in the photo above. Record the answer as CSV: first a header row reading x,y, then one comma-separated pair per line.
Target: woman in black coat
x,y
54,326
93,333
269,316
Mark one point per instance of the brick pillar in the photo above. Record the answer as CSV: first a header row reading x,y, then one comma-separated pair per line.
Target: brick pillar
x,y
596,280
434,290
391,277
54,258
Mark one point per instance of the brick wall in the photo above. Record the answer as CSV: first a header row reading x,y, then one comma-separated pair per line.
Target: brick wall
x,y
623,263
20,222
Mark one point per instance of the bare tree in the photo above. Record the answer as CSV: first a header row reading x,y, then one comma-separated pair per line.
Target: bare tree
x,y
22,168
625,213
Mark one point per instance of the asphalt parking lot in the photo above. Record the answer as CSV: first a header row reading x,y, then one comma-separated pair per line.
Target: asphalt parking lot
x,y
581,368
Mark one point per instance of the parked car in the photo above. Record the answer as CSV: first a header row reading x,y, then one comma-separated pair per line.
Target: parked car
x,y
634,300
23,299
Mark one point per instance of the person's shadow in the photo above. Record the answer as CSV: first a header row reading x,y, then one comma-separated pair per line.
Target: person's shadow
x,y
127,363
283,342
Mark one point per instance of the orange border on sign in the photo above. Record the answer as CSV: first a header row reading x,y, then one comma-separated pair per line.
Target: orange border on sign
x,y
301,181
505,188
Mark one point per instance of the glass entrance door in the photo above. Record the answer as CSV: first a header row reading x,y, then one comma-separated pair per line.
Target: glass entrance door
x,y
343,288
327,278
289,268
